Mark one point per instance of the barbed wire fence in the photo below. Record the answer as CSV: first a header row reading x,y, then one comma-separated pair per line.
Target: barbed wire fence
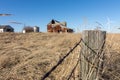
x,y
98,58
60,61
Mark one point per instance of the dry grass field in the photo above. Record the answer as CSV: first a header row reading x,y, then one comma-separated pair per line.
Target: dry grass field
x,y
29,56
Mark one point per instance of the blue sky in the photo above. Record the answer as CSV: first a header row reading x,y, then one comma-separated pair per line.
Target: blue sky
x,y
79,14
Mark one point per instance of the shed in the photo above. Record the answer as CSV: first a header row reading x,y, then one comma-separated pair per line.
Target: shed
x,y
28,29
6,28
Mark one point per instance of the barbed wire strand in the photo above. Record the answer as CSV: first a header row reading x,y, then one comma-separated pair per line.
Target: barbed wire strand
x,y
94,50
86,60
73,69
60,61
100,52
94,66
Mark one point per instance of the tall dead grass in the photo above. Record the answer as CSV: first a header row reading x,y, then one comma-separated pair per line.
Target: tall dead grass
x,y
111,69
29,56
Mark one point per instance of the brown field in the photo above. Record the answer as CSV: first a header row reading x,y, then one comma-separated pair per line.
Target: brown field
x,y
29,56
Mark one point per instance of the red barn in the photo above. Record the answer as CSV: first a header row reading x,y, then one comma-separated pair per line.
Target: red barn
x,y
56,26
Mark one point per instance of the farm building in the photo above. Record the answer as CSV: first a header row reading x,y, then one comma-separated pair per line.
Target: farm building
x,y
28,29
56,26
6,28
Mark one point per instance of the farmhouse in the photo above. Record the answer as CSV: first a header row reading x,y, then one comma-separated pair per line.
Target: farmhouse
x,y
56,26
6,28
28,29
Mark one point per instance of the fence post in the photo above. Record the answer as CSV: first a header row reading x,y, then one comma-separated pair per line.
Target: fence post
x,y
91,52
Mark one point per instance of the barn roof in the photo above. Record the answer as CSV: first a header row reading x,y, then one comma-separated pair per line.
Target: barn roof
x,y
5,26
28,29
55,22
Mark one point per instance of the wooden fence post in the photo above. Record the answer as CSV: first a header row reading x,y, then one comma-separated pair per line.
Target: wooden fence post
x,y
91,54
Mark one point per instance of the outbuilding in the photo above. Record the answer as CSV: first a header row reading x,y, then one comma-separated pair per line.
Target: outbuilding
x,y
28,29
6,28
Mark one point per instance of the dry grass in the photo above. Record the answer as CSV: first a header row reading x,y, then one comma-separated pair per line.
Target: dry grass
x,y
29,56
112,58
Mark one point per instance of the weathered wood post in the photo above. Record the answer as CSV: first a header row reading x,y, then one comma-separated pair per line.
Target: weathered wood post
x,y
91,54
